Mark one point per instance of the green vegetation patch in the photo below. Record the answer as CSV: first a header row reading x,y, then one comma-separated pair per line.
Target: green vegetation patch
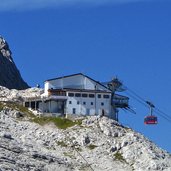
x,y
92,146
69,154
118,156
60,122
1,106
16,106
62,143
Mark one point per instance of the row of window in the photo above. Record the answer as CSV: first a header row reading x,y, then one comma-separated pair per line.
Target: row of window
x,y
74,110
105,96
84,103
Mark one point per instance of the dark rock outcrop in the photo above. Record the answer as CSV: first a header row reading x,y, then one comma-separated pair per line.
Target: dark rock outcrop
x,y
9,74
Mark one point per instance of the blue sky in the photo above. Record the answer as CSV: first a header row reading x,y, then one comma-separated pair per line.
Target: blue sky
x,y
128,39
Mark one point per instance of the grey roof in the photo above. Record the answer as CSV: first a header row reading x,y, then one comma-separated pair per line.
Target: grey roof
x,y
76,75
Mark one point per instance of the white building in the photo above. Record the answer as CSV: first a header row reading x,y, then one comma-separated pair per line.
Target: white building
x,y
76,94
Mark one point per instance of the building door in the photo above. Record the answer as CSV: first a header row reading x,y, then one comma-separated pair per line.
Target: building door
x,y
87,111
101,112
74,110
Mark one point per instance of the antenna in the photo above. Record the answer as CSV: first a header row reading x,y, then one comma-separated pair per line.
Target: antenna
x,y
117,101
116,85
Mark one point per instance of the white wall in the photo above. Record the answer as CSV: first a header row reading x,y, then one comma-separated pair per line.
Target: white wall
x,y
73,82
84,109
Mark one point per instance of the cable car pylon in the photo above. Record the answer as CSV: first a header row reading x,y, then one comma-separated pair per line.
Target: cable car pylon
x,y
150,119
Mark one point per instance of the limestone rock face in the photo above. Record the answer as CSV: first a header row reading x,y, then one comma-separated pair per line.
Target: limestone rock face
x,y
99,143
14,95
9,74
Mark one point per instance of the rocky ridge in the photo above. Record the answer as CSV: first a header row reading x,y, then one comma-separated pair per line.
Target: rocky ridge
x,y
9,74
98,144
14,95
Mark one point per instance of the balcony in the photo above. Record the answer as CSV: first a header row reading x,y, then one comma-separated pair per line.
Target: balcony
x,y
56,92
120,101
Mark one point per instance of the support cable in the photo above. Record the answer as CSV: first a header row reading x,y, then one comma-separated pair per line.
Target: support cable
x,y
83,158
73,146
141,100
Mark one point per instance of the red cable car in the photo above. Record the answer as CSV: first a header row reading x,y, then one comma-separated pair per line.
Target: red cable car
x,y
151,119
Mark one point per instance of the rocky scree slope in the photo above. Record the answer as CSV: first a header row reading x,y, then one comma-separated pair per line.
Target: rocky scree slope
x,y
9,74
98,144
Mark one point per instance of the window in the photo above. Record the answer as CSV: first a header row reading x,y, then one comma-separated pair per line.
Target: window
x,y
106,96
60,93
84,103
91,95
26,104
77,95
78,102
99,95
70,102
71,94
33,105
102,104
84,95
91,103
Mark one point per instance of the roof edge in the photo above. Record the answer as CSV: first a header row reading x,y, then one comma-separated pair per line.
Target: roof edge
x,y
63,77
78,74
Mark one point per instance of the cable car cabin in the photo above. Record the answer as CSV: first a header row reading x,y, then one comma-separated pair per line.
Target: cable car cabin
x,y
150,120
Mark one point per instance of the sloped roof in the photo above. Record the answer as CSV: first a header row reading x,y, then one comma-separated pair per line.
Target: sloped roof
x,y
76,75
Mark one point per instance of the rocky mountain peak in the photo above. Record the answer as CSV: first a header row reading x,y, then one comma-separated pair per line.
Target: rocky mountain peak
x,y
4,49
10,76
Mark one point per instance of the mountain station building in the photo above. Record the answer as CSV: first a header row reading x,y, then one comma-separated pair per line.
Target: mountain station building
x,y
77,94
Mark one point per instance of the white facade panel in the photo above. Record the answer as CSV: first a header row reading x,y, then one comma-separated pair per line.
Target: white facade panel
x,y
89,106
74,82
89,84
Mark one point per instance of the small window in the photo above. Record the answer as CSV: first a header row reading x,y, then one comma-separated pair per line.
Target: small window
x,y
26,104
71,94
99,96
91,103
84,103
102,104
70,102
78,102
84,95
106,96
77,95
91,95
